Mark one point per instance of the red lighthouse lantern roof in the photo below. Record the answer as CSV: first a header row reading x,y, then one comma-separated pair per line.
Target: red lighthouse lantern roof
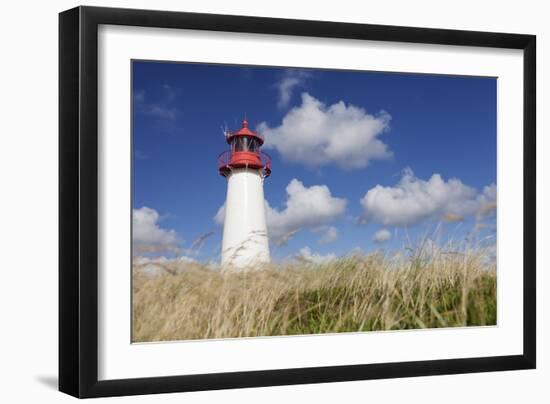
x,y
244,131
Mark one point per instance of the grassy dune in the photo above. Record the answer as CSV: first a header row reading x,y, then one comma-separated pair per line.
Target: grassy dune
x,y
357,293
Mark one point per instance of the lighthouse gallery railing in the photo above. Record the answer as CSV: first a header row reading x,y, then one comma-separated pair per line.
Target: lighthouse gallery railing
x,y
224,161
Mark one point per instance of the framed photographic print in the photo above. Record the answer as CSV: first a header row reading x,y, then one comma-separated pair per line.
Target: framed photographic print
x,y
251,201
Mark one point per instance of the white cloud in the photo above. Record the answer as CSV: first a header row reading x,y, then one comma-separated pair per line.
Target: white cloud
x,y
291,79
490,192
305,254
413,200
169,92
156,110
330,235
160,265
488,201
381,236
139,96
160,111
140,260
306,207
148,236
315,134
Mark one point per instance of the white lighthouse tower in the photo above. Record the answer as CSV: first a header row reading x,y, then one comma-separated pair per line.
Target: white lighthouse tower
x,y
245,242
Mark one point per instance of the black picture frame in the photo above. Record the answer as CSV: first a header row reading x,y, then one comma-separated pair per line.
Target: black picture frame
x,y
78,201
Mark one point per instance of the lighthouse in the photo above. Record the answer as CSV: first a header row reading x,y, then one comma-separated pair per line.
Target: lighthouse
x,y
245,243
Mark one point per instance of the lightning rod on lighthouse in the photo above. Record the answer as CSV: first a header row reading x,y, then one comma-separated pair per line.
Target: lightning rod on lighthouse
x,y
245,241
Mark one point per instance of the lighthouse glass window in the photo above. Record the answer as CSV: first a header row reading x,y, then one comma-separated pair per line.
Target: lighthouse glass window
x,y
272,201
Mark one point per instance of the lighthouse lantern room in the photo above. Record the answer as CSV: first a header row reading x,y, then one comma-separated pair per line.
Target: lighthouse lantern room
x,y
245,243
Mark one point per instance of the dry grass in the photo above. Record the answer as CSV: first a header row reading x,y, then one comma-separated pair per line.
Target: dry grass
x,y
357,293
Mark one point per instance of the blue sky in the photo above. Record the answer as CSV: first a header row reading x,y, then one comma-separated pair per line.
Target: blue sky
x,y
358,153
